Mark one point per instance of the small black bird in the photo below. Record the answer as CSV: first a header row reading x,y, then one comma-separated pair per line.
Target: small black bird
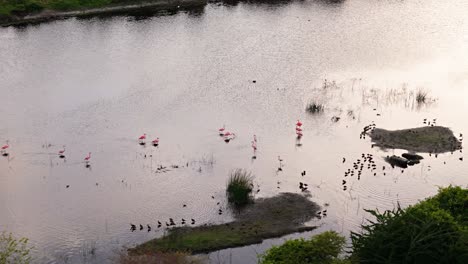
x,y
344,160
141,227
132,227
149,228
184,205
68,186
193,221
344,182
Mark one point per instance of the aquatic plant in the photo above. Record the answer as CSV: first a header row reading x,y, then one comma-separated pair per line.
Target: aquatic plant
x,y
14,250
421,96
239,187
320,249
315,107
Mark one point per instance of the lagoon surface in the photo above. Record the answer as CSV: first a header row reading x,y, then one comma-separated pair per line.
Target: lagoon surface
x,y
95,85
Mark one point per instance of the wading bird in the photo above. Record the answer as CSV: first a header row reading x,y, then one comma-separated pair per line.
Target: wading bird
x,y
61,153
155,142
141,139
87,159
4,148
221,130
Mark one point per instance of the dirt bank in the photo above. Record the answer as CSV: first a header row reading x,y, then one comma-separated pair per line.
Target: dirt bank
x,y
266,218
430,139
150,5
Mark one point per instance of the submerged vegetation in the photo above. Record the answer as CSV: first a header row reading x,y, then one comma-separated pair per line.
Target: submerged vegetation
x,y
239,187
13,250
265,218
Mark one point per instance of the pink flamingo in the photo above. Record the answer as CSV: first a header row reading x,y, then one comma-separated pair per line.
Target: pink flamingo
x,y
155,142
5,146
141,139
87,158
254,147
228,136
62,152
221,130
299,134
298,129
298,123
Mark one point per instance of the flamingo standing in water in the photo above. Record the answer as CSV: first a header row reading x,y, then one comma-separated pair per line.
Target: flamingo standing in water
x,y
221,130
87,159
299,129
228,136
254,147
142,139
155,142
4,148
61,153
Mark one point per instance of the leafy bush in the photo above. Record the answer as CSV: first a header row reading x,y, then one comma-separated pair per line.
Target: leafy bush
x,y
321,249
239,187
14,251
432,231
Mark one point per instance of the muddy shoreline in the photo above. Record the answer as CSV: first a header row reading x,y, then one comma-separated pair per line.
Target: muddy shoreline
x,y
149,6
267,218
429,139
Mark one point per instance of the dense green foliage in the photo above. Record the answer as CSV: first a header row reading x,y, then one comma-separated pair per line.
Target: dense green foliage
x,y
321,249
26,7
432,231
13,251
239,187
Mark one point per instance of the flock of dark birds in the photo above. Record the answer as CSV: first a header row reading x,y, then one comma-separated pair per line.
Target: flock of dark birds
x,y
168,224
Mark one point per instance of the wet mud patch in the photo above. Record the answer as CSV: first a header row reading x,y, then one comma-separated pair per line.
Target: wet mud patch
x,y
430,139
265,218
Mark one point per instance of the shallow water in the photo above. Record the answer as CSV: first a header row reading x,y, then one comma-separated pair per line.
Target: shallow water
x,y
95,85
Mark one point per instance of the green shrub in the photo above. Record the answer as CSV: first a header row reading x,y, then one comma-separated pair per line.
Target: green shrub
x,y
14,251
432,231
239,187
320,249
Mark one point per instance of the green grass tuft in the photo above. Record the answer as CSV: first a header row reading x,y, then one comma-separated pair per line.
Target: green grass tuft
x,y
239,187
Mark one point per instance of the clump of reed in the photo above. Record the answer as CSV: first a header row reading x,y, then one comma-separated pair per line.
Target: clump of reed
x,y
315,107
421,96
239,187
